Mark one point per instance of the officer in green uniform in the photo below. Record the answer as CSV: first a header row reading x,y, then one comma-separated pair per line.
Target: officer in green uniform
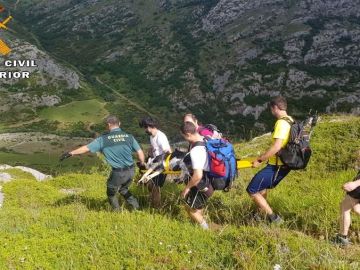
x,y
117,147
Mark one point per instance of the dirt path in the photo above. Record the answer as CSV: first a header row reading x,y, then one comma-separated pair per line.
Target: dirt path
x,y
16,4
139,107
24,123
136,105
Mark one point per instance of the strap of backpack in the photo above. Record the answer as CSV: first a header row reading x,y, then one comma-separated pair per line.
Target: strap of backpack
x,y
290,122
198,144
287,119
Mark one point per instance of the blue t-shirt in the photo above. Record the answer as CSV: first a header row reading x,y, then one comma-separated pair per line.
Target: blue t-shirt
x,y
117,147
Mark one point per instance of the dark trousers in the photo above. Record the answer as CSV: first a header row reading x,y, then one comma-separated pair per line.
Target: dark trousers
x,y
120,181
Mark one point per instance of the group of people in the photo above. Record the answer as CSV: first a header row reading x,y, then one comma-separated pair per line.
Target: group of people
x,y
118,147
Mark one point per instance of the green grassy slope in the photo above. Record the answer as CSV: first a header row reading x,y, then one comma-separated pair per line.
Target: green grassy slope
x,y
65,223
85,111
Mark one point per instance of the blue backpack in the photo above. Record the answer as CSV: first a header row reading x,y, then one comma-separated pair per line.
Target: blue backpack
x,y
222,163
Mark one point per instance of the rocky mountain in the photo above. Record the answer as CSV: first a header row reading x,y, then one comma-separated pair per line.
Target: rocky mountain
x,y
221,59
50,82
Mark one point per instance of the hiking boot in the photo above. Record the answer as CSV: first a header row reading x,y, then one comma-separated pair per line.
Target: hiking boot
x,y
341,240
276,220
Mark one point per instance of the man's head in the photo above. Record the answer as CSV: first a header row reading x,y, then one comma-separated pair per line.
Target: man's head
x,y
112,122
278,106
189,132
189,117
149,125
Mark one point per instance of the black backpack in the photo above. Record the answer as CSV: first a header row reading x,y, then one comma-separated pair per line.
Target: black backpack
x,y
296,154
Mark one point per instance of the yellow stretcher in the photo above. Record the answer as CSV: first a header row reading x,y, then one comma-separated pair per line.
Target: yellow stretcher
x,y
241,164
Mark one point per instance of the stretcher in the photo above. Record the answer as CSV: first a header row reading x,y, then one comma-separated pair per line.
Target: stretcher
x,y
244,163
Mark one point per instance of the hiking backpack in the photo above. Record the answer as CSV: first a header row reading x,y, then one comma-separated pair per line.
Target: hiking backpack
x,y
210,128
296,154
222,163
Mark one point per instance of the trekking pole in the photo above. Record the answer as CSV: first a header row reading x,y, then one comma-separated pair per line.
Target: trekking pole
x,y
313,123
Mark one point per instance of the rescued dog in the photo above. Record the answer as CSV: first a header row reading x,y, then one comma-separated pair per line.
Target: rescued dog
x,y
178,161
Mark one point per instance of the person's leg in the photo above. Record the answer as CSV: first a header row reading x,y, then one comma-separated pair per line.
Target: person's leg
x,y
258,186
127,177
267,178
262,203
154,187
154,194
197,216
356,208
264,193
112,198
111,192
346,206
195,203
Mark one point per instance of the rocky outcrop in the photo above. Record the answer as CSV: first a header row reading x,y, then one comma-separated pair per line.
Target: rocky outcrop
x,y
36,174
47,72
5,177
36,101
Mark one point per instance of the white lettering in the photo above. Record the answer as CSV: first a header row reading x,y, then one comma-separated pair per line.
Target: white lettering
x,y
26,75
14,75
20,63
118,136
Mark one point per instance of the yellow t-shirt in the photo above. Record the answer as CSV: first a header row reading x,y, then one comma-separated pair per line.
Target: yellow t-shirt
x,y
281,131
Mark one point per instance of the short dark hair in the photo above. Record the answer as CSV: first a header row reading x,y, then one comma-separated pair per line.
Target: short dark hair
x,y
192,116
112,120
148,122
280,102
188,128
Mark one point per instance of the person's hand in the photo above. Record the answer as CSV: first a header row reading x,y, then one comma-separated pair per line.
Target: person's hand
x,y
256,163
65,156
350,186
185,192
141,165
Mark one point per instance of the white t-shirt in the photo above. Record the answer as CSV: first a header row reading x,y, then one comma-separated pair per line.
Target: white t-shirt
x,y
159,143
199,158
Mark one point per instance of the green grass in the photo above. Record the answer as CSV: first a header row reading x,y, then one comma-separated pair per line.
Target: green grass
x,y
85,111
42,227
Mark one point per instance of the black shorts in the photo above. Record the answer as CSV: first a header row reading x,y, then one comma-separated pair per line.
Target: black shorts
x,y
159,180
197,199
356,192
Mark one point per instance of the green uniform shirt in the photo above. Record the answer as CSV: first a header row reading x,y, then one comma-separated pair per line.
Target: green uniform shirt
x,y
117,147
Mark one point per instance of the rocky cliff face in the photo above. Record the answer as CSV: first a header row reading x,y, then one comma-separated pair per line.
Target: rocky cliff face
x,y
48,82
221,59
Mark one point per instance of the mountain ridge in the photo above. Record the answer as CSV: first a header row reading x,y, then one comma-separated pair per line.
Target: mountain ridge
x,y
222,60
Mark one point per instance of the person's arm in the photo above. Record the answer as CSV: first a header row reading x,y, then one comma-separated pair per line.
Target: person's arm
x,y
198,161
141,156
94,146
195,179
164,144
273,150
81,150
350,186
139,152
